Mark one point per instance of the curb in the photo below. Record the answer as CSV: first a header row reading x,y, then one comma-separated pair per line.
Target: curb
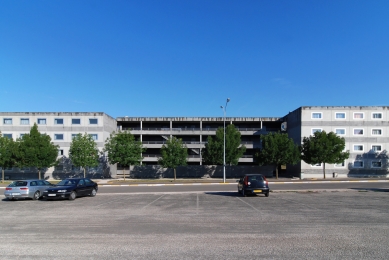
x,y
233,183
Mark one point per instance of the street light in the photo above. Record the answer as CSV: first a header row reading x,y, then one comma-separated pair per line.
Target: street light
x,y
224,147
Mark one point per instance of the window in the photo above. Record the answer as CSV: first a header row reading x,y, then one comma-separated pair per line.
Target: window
x,y
316,130
74,135
94,136
25,168
376,148
339,164
60,152
8,136
316,165
93,121
358,164
7,121
76,121
58,136
376,131
376,164
359,115
21,135
58,121
376,115
41,121
340,115
24,121
358,147
316,115
358,131
340,131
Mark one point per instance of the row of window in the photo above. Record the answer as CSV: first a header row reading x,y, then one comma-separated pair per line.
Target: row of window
x,y
57,137
356,164
58,168
342,115
356,131
43,121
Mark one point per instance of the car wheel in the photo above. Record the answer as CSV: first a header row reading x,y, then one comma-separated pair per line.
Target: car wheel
x,y
36,196
72,195
243,193
93,193
267,194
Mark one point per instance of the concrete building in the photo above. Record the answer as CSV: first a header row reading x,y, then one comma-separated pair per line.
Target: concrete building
x,y
194,131
61,127
366,132
365,129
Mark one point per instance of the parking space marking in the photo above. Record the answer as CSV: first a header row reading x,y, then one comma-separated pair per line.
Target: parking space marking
x,y
152,202
248,204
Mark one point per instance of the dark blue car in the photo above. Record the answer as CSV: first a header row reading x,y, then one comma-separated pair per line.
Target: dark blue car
x,y
72,188
252,184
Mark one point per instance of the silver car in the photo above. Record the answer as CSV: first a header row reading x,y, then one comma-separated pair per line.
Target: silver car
x,y
26,189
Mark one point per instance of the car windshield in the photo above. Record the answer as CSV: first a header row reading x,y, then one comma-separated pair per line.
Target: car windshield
x,y
18,184
67,183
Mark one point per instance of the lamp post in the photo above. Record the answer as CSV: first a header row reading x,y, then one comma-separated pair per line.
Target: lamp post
x,y
224,147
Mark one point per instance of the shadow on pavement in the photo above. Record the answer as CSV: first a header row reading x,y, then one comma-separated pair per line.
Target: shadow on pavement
x,y
224,193
371,189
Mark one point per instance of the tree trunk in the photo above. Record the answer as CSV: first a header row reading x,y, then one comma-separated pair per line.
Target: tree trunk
x,y
324,170
2,174
174,173
124,174
84,172
39,174
277,172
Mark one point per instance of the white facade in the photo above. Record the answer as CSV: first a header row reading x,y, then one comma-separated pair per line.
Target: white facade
x,y
366,132
61,127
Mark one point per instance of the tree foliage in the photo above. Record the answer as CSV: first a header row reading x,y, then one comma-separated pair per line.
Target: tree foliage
x,y
36,150
214,148
8,151
323,148
278,149
122,148
174,153
83,152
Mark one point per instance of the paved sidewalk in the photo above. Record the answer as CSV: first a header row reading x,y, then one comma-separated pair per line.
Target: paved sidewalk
x,y
208,181
199,181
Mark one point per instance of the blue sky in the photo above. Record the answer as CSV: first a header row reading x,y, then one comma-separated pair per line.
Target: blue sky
x,y
184,58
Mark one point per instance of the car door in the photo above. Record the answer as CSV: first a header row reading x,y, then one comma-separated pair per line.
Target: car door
x,y
81,188
89,185
33,188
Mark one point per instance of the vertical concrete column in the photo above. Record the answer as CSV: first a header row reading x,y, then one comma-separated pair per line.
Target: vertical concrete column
x,y
171,128
141,136
201,142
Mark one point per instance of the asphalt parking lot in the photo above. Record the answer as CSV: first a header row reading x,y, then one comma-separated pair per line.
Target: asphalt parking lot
x,y
198,225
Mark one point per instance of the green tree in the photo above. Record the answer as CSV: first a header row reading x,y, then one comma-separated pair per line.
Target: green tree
x,y
37,150
174,153
83,152
122,148
7,154
323,148
214,148
278,149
